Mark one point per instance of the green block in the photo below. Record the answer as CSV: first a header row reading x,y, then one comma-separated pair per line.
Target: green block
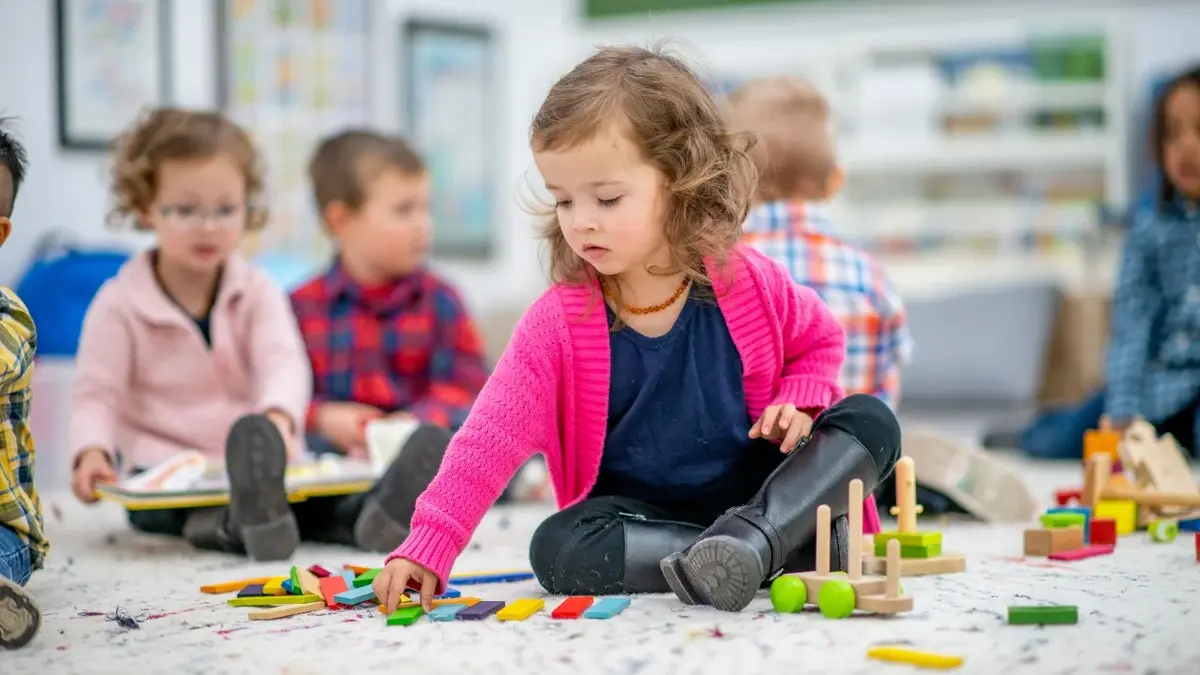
x,y
274,600
1043,615
295,581
366,578
1052,521
908,538
928,551
405,616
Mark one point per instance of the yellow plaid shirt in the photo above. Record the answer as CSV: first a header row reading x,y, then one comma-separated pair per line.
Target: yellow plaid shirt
x,y
20,507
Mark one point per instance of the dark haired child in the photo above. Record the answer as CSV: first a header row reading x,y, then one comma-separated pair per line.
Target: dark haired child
x,y
23,544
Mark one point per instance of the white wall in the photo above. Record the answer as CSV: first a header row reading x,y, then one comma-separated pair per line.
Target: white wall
x,y
539,39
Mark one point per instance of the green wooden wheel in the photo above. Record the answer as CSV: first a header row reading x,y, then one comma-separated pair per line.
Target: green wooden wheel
x,y
788,594
836,599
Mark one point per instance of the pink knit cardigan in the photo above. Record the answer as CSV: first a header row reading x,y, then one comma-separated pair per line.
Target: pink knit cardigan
x,y
549,393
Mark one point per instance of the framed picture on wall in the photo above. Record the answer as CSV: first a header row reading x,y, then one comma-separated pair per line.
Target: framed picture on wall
x,y
450,106
113,61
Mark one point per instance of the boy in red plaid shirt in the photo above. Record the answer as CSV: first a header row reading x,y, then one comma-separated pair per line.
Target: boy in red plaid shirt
x,y
387,338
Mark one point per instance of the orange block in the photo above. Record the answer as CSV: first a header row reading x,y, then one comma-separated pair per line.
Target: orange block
x,y
330,587
1102,441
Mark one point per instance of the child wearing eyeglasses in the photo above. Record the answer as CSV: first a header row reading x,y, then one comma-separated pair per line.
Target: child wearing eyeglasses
x,y
191,348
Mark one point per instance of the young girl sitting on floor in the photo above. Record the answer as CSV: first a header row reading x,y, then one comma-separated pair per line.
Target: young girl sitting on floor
x,y
668,375
190,348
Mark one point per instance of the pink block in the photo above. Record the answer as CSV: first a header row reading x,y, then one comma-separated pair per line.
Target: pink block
x,y
1085,552
319,572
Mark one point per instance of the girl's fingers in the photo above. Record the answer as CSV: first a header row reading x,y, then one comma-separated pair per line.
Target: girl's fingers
x,y
768,420
428,587
785,416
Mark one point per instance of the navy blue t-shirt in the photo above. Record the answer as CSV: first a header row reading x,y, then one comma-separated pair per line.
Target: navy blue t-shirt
x,y
678,430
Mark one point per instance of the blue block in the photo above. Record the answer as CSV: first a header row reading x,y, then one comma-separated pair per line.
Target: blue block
x,y
445,612
491,578
348,575
287,586
607,608
355,596
1087,518
450,593
1189,525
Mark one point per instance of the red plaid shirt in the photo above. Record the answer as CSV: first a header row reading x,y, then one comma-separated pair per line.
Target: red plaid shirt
x,y
407,346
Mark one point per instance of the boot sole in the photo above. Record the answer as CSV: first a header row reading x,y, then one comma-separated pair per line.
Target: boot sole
x,y
722,572
256,460
387,513
20,618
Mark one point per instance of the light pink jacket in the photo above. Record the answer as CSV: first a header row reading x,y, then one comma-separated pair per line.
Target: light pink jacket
x,y
149,386
549,394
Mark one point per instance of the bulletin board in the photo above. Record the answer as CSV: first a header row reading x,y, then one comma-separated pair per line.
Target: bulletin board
x,y
293,72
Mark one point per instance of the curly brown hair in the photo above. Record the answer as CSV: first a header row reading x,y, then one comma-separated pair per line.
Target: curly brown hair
x,y
165,134
668,114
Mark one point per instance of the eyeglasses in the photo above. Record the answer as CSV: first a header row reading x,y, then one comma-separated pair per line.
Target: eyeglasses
x,y
194,217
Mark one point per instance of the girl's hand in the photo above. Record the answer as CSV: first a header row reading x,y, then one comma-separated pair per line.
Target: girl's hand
x,y
783,422
392,582
93,467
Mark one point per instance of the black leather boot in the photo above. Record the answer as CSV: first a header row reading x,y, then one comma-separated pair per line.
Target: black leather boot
x,y
647,542
260,516
384,521
858,437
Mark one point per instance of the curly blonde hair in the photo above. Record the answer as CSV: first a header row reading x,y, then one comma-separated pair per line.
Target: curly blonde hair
x,y
668,114
166,134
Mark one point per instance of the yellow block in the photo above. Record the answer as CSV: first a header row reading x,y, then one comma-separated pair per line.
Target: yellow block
x,y
1123,511
522,609
275,586
914,657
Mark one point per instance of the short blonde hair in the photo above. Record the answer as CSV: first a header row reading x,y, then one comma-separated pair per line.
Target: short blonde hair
x,y
793,122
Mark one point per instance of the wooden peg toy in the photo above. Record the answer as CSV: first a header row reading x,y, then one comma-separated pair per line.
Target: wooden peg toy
x,y
891,602
906,508
920,552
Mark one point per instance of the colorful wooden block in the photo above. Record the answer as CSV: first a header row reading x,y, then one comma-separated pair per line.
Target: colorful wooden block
x,y
519,610
252,591
354,596
1043,615
1042,543
445,612
491,577
273,600
1163,531
405,616
1065,497
1124,511
330,587
606,608
450,593
906,539
349,576
309,582
232,586
573,607
1198,547
1055,520
294,582
1189,525
319,572
275,586
284,610
1082,553
355,569
480,610
1103,531
366,578
1081,510
1101,442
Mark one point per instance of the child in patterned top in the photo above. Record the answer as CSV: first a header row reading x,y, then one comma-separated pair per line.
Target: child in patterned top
x,y
23,544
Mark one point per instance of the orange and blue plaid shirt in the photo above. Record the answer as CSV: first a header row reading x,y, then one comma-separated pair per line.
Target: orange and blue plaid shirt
x,y
20,506
799,236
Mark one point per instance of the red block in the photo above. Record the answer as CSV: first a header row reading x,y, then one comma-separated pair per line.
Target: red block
x,y
1065,497
1198,547
1103,532
331,586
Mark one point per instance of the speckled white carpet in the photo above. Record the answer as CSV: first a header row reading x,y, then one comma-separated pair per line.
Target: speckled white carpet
x,y
1139,613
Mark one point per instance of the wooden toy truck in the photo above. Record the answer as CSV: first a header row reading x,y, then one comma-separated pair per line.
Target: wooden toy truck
x,y
837,595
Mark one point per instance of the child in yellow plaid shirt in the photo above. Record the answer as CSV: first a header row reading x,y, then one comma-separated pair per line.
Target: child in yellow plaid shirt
x,y
23,543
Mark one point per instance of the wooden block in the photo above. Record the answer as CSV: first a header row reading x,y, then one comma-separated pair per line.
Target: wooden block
x,y
294,579
1124,511
1081,510
445,612
480,610
913,657
330,587
1041,543
252,591
880,604
1198,547
1103,531
232,586
519,610
1189,525
286,586
491,577
445,601
1101,442
285,610
573,607
275,586
607,608
450,593
906,539
366,578
1082,553
309,582
273,600
349,576
355,596
1067,496
947,563
405,616
1060,519
1043,615
355,569
319,572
